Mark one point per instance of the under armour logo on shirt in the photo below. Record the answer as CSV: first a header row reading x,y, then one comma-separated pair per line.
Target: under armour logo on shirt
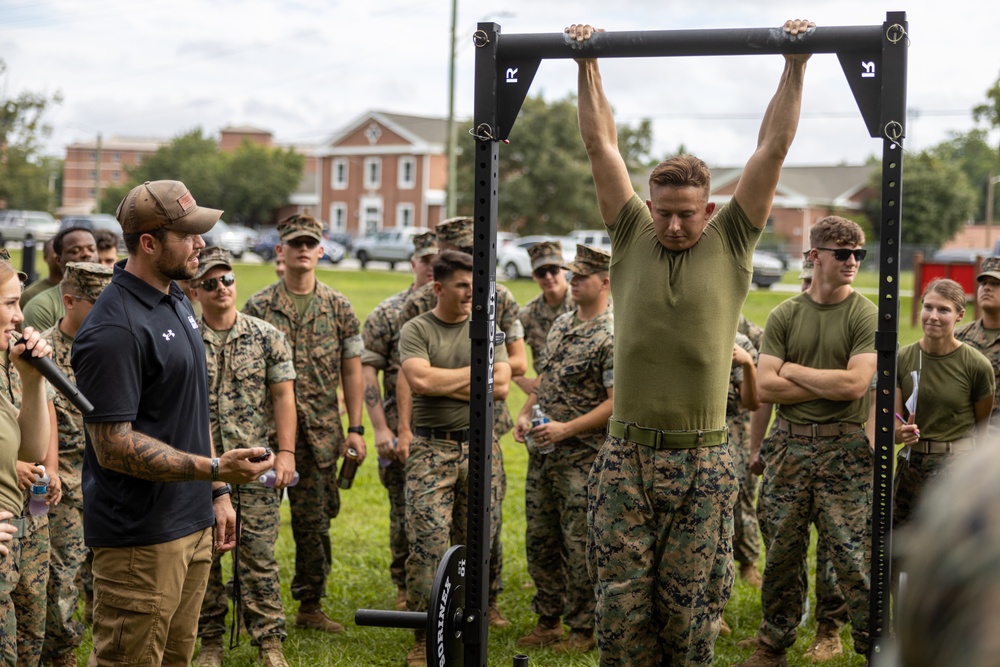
x,y
168,335
194,323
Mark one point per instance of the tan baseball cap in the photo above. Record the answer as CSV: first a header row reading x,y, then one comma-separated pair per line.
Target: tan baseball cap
x,y
156,204
211,257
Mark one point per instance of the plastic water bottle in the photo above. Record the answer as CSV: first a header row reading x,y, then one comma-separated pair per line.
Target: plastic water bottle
x,y
39,490
537,419
270,477
384,462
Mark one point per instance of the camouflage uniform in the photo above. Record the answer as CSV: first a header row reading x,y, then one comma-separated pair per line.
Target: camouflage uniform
x,y
26,568
241,367
578,373
325,334
976,335
537,318
381,338
67,551
746,538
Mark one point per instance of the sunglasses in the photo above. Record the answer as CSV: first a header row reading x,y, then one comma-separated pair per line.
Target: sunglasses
x,y
209,285
544,271
301,241
841,254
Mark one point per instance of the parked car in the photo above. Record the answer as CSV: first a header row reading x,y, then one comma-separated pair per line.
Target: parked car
x,y
92,221
392,245
767,270
19,225
333,252
515,262
595,238
343,238
237,239
266,244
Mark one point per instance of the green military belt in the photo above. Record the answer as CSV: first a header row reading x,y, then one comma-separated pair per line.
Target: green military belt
x,y
651,437
934,447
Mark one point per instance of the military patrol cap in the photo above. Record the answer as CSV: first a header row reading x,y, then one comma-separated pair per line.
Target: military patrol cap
x,y
425,244
298,225
211,257
807,269
990,267
5,257
87,278
546,253
589,260
456,232
156,204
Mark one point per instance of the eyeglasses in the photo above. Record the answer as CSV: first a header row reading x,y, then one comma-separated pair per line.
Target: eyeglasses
x,y
841,254
548,270
301,241
81,298
209,285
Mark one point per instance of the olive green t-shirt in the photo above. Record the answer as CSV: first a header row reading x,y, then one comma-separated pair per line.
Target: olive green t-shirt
x,y
44,310
822,336
675,316
950,385
444,345
11,498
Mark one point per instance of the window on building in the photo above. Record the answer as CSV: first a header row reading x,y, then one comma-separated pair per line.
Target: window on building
x,y
407,172
405,215
93,174
93,155
338,217
373,172
91,192
117,156
340,171
116,175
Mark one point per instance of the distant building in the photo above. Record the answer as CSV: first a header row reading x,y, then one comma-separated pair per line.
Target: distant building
x,y
81,174
383,170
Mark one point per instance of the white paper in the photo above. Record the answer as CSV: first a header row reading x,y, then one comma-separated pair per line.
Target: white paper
x,y
911,402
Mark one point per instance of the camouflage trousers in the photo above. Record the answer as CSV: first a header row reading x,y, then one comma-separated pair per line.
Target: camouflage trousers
x,y
826,480
393,477
660,551
263,615
555,507
67,554
496,547
911,478
314,501
831,604
24,574
437,505
746,534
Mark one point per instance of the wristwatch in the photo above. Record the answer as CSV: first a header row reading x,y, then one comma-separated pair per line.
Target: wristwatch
x,y
360,430
221,491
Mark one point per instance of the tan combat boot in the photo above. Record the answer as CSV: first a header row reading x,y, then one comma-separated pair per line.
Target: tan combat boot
x,y
210,654
417,657
497,619
400,599
311,615
765,656
577,641
724,629
826,645
750,574
548,631
270,654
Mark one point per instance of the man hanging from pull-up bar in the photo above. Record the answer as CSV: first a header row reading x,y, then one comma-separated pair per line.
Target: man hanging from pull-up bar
x,y
662,488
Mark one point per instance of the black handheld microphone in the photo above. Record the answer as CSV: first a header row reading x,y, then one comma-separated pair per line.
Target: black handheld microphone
x,y
57,379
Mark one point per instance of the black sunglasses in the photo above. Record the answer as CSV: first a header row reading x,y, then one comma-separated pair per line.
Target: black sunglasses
x,y
300,241
548,270
209,285
841,254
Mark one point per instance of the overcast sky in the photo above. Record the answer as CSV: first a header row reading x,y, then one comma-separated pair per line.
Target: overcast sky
x,y
304,69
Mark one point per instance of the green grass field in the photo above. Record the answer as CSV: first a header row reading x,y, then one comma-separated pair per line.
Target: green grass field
x,y
360,572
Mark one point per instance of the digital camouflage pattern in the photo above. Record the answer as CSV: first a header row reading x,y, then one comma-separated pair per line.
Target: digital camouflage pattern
x,y
589,261
67,551
828,481
437,505
241,368
668,615
327,332
536,318
381,338
750,330
297,225
575,381
913,474
746,538
989,344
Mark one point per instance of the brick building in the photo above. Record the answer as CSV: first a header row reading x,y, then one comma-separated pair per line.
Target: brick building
x,y
80,169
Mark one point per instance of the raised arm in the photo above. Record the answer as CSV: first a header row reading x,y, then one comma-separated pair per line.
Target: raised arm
x,y
755,189
600,136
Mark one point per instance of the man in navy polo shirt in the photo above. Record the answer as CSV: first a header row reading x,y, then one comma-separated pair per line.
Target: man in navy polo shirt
x,y
140,359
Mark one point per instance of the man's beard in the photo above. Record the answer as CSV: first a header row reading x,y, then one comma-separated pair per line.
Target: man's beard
x,y
175,271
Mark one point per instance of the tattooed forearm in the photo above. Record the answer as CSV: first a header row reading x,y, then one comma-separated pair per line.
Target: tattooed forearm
x,y
123,450
372,397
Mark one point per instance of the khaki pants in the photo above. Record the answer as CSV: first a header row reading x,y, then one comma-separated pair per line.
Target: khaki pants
x,y
147,599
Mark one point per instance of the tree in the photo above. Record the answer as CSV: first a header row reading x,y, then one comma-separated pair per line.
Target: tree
x,y
547,185
990,111
937,198
24,175
972,153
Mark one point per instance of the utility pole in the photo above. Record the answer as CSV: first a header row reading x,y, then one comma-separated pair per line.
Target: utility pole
x,y
451,206
989,211
97,190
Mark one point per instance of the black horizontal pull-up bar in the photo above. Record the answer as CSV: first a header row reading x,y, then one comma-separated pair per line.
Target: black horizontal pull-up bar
x,y
718,42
